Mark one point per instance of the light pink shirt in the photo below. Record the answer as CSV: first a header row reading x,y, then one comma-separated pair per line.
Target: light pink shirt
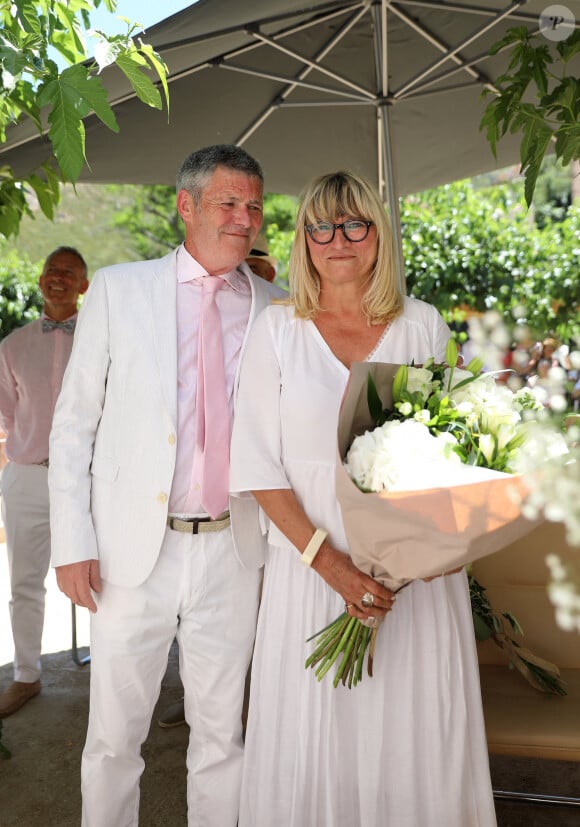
x,y
32,365
234,303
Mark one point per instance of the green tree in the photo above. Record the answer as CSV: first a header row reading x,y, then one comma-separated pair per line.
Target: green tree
x,y
149,216
20,296
35,87
481,249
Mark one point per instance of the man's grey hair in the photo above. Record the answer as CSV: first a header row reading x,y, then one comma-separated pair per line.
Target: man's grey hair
x,y
71,251
198,167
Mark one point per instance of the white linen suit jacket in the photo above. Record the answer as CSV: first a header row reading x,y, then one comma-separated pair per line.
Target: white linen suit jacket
x,y
113,440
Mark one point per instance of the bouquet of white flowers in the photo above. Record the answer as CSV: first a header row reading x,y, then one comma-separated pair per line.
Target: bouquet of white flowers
x,y
430,451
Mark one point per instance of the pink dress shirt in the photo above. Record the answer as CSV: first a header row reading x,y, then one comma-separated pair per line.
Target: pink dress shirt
x,y
234,303
32,365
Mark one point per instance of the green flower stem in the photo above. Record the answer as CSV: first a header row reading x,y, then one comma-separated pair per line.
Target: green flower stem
x,y
373,640
361,657
330,635
321,653
330,626
354,656
346,635
324,667
353,636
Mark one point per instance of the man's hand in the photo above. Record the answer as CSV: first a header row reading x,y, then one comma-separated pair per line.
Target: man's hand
x,y
76,581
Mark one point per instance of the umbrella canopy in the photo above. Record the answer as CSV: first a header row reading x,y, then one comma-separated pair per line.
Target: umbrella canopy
x,y
309,87
391,90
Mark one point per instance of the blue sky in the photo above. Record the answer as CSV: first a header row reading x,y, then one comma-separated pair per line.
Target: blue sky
x,y
146,12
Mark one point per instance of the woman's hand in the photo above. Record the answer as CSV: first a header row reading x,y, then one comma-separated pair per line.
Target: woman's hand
x,y
352,584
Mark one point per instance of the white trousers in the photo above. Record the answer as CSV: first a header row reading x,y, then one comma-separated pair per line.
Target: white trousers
x,y
199,593
27,527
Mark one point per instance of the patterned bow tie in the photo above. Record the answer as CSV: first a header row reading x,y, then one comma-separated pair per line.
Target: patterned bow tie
x,y
50,324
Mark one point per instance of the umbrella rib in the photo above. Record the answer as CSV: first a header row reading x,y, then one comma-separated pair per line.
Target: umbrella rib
x,y
440,5
427,35
311,64
291,81
284,104
280,99
426,93
482,77
452,52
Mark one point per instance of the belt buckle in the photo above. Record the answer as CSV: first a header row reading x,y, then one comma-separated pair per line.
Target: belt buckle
x,y
186,526
198,525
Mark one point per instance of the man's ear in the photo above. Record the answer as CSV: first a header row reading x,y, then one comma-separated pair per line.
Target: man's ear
x,y
185,204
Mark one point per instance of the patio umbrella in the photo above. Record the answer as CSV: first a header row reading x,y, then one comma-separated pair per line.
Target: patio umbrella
x,y
391,90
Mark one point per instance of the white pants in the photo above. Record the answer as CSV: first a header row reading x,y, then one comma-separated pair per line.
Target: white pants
x,y
27,527
199,593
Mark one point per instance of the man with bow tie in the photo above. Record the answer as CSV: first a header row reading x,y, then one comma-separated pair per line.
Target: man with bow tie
x,y
33,360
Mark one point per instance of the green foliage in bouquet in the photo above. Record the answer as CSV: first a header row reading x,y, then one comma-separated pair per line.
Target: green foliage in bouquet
x,y
349,637
482,430
477,441
489,625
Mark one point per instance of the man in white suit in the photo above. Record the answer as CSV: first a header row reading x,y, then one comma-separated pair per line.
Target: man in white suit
x,y
131,538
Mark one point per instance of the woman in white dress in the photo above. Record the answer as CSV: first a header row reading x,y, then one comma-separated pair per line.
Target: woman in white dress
x,y
405,748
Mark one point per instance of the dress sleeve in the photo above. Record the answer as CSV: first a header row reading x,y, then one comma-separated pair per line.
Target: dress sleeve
x,y
256,453
441,335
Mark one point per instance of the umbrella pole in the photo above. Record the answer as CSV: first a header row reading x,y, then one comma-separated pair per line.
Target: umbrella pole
x,y
390,192
386,166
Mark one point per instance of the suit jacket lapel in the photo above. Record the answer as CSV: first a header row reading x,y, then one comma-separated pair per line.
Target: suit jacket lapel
x,y
163,297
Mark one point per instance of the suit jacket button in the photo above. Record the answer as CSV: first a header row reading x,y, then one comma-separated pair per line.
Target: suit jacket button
x,y
171,439
162,497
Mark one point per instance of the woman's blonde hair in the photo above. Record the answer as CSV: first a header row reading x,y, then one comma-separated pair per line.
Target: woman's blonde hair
x,y
325,199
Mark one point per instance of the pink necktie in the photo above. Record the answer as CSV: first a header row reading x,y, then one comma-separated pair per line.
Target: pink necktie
x,y
212,412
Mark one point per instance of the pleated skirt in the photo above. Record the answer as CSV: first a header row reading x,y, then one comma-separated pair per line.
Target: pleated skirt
x,y
405,748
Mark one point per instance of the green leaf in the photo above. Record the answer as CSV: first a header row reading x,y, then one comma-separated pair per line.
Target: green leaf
x,y
514,35
480,627
158,65
72,96
131,64
569,47
44,194
491,123
533,168
400,382
106,53
374,400
68,40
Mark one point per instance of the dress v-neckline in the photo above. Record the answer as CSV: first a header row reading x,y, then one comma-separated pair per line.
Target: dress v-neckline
x,y
329,351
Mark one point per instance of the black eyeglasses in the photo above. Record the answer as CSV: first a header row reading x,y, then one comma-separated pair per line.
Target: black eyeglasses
x,y
323,232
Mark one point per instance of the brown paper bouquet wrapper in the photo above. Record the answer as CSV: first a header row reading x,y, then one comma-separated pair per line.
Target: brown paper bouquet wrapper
x,y
402,536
